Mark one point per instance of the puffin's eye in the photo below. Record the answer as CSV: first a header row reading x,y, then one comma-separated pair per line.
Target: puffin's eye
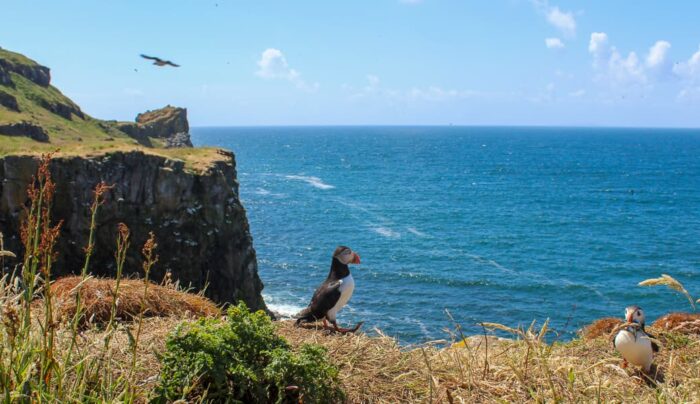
x,y
639,313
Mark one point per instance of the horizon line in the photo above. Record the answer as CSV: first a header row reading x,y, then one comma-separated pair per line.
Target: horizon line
x,y
449,126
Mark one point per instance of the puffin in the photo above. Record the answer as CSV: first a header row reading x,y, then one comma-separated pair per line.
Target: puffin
x,y
334,293
633,342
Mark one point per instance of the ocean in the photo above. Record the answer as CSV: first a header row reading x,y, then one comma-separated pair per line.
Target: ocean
x,y
494,224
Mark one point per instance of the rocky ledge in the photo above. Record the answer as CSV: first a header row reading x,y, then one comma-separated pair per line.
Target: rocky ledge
x,y
26,129
199,222
168,124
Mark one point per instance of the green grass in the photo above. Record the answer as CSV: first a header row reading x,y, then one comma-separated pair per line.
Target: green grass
x,y
16,58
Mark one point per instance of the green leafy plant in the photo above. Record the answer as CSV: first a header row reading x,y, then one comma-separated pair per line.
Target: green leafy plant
x,y
242,359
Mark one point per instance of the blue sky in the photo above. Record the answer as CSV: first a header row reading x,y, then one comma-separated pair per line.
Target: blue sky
x,y
496,62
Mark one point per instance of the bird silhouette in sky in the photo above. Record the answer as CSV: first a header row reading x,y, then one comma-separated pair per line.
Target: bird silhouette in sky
x,y
159,61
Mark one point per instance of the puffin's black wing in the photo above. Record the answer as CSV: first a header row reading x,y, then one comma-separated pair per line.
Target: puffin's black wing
x,y
654,346
325,297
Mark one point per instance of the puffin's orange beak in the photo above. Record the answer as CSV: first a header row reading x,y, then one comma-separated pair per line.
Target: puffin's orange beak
x,y
356,259
629,317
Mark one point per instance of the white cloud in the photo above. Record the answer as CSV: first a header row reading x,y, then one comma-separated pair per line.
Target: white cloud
x,y
554,43
690,69
578,93
689,72
374,88
598,43
373,80
614,67
273,65
657,55
564,21
437,94
625,72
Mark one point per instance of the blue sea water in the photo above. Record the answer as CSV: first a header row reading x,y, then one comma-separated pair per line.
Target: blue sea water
x,y
494,224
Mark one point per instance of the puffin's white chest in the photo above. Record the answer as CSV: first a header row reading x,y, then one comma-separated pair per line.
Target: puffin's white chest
x,y
347,286
635,349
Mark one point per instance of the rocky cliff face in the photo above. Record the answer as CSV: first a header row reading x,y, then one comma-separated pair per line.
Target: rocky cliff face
x,y
38,74
198,219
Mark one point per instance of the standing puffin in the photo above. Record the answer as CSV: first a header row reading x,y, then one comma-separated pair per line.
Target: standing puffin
x,y
633,342
334,293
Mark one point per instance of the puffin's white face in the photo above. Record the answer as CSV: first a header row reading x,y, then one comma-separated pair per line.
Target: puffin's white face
x,y
348,256
635,314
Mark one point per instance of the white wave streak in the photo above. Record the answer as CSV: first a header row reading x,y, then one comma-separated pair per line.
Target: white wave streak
x,y
415,231
386,232
313,181
584,286
490,262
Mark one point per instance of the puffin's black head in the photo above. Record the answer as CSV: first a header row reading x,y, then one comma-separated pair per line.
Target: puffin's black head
x,y
635,314
345,255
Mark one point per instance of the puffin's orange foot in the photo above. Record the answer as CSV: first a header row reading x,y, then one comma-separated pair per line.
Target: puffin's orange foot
x,y
349,330
624,364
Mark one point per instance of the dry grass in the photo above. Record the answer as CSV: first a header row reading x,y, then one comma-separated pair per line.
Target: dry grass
x,y
686,323
600,328
672,283
120,353
97,297
377,370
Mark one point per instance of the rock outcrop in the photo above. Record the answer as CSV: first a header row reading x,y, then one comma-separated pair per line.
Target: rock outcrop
x,y
40,75
198,220
26,129
9,101
168,124
64,110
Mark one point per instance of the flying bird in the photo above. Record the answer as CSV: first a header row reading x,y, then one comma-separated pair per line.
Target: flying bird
x,y
334,293
633,342
159,61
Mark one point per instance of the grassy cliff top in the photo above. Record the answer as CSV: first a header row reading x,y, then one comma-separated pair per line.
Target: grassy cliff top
x,y
26,97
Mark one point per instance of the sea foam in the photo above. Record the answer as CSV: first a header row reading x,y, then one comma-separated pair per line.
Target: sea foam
x,y
386,232
313,181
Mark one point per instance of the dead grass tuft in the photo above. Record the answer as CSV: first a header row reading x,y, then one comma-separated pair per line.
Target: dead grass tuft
x,y
684,323
600,328
97,297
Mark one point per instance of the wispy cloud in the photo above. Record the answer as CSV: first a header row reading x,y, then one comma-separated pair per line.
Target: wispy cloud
x,y
554,43
273,65
689,69
689,73
564,21
433,94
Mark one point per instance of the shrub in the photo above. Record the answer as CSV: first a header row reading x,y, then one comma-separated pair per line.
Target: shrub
x,y
242,359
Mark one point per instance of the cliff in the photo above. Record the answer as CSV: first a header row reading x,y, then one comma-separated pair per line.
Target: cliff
x,y
187,196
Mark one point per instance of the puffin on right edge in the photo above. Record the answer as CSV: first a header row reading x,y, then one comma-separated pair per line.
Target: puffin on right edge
x,y
334,293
